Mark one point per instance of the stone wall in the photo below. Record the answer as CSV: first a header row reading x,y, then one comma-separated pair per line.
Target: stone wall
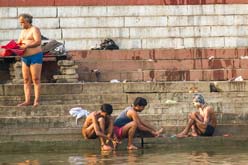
x,y
136,27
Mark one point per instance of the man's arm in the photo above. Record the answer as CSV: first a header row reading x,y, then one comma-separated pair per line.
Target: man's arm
x,y
148,126
97,128
205,117
133,114
110,126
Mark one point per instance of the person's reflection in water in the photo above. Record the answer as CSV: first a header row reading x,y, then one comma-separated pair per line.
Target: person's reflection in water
x,y
200,158
132,157
29,162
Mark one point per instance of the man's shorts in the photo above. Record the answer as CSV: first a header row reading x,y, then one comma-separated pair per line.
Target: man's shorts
x,y
33,59
118,132
209,131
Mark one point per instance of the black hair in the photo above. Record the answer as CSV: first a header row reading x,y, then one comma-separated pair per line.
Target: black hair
x,y
140,101
27,17
107,108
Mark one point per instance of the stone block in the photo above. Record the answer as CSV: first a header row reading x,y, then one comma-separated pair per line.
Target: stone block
x,y
67,81
66,63
8,12
37,12
47,23
92,22
103,88
58,89
82,11
1,90
69,67
144,21
52,33
10,34
56,77
148,32
8,23
114,98
68,71
95,33
17,80
13,90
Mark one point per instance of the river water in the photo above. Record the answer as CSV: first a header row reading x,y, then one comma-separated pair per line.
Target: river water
x,y
202,156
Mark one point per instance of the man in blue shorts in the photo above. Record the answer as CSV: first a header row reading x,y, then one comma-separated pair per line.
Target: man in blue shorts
x,y
30,41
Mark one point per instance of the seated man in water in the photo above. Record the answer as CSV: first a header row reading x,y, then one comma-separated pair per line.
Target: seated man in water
x,y
201,123
100,124
128,122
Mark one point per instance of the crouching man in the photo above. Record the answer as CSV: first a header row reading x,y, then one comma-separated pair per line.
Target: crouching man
x,y
100,124
128,122
201,123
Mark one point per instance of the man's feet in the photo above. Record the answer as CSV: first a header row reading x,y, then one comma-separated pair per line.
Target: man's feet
x,y
193,134
106,148
132,147
24,104
182,135
36,104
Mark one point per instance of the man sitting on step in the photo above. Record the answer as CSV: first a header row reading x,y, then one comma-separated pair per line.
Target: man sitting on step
x,y
100,124
201,123
128,122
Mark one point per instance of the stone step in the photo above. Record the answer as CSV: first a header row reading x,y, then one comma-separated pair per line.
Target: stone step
x,y
168,107
153,75
74,134
157,54
50,110
138,87
127,98
67,121
171,64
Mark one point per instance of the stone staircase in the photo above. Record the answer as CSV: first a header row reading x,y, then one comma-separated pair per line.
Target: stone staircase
x,y
158,65
51,120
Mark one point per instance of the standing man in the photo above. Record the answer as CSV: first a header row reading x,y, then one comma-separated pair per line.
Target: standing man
x,y
128,122
30,41
203,122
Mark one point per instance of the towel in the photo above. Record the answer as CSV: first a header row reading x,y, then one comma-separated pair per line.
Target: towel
x,y
11,48
78,112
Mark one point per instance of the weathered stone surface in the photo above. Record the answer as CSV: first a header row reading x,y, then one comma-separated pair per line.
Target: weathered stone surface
x,y
75,76
66,62
68,71
69,67
67,81
103,88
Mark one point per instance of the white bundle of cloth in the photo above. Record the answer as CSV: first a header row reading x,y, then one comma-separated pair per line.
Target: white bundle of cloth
x,y
78,112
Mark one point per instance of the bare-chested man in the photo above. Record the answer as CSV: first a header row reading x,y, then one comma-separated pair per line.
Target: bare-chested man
x,y
128,122
100,124
30,41
201,123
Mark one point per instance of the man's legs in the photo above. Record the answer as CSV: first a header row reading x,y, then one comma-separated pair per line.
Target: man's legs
x,y
35,70
189,125
27,84
129,130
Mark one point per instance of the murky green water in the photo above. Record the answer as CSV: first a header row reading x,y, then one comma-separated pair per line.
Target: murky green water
x,y
225,156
